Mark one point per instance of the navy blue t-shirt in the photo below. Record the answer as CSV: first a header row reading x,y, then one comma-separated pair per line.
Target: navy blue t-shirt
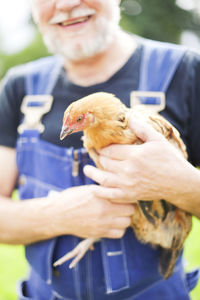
x,y
182,102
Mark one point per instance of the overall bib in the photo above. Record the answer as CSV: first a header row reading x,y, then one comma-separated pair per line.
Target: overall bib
x,y
116,268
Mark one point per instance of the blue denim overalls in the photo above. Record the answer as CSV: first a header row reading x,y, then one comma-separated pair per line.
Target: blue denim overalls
x,y
115,269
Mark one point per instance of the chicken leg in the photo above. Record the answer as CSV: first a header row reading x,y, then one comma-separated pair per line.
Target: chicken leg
x,y
78,252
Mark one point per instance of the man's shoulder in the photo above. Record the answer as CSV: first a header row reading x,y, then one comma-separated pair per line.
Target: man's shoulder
x,y
16,77
148,43
35,66
189,68
191,53
190,57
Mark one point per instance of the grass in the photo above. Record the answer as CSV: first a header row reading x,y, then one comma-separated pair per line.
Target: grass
x,y
13,265
192,254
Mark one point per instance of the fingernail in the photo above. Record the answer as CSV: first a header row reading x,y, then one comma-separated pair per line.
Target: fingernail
x,y
86,169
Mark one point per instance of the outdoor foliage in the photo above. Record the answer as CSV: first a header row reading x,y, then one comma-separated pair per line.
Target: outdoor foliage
x,y
159,20
154,19
35,50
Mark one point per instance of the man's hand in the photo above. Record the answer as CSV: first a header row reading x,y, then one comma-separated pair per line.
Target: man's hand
x,y
80,211
151,171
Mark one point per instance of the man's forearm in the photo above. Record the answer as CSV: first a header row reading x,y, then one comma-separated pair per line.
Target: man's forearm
x,y
76,211
188,198
25,222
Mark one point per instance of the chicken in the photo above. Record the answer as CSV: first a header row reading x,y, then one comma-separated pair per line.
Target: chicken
x,y
104,120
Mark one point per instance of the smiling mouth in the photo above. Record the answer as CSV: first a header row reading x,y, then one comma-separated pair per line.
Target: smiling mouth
x,y
75,21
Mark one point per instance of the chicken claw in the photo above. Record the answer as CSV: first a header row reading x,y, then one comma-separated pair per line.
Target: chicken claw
x,y
78,252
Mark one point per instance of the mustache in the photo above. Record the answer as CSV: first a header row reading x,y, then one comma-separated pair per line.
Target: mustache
x,y
75,13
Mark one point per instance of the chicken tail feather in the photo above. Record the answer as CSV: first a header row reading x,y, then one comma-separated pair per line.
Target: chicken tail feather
x,y
167,261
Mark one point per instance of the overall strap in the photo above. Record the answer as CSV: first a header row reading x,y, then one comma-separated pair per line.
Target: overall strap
x,y
42,75
158,66
40,79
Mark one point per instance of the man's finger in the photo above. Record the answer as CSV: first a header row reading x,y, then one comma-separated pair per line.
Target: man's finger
x,y
121,222
109,193
123,210
116,195
102,177
111,165
143,130
115,233
118,152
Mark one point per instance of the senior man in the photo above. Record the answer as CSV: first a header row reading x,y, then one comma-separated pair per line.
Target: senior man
x,y
94,54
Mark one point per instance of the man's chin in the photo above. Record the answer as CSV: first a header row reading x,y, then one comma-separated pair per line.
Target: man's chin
x,y
76,52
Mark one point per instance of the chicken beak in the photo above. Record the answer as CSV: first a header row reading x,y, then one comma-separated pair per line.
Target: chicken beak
x,y
65,131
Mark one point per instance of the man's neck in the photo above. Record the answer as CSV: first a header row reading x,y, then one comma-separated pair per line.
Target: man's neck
x,y
104,65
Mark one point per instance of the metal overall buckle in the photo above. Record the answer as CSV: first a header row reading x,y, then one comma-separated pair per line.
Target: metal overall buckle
x,y
34,107
154,101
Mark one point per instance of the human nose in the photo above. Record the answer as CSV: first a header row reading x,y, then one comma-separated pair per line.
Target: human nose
x,y
66,4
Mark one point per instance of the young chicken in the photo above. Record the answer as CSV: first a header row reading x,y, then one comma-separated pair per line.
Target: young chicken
x,y
104,120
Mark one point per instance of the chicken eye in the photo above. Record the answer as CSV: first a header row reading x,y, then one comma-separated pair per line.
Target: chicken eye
x,y
79,118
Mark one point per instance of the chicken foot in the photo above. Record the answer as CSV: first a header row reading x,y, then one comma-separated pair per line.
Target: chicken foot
x,y
78,252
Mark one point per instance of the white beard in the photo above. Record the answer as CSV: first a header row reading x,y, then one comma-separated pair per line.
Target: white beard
x,y
89,47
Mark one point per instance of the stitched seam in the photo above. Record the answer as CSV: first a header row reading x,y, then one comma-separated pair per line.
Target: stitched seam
x,y
76,275
125,263
89,278
106,269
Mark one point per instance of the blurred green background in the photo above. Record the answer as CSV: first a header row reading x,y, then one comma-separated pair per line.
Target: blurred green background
x,y
176,21
173,21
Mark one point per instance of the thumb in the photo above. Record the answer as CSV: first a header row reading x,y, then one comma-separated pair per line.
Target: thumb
x,y
143,130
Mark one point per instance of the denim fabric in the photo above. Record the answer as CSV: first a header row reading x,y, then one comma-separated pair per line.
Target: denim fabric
x,y
115,269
